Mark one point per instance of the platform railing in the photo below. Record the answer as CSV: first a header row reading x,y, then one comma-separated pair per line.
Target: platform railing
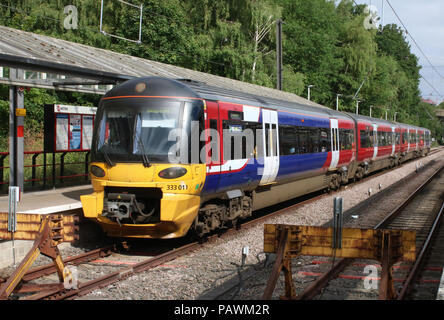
x,y
41,169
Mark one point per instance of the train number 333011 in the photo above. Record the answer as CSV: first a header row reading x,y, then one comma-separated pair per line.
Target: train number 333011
x,y
176,187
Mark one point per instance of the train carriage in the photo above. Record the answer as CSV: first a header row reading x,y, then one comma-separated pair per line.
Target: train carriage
x,y
170,156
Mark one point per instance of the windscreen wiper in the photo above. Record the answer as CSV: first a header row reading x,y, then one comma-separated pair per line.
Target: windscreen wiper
x,y
107,158
145,160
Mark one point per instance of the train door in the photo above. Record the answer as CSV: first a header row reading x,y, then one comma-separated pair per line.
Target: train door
x,y
270,140
393,141
334,143
237,142
408,140
416,140
375,141
212,146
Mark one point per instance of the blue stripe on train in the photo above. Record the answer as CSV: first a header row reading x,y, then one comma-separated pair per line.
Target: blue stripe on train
x,y
293,165
285,118
290,165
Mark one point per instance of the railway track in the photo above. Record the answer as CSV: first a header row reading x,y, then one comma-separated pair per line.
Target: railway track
x,y
422,212
134,267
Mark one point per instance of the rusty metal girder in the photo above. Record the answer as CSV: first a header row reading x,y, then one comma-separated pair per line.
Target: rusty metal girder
x,y
356,243
51,232
63,227
289,241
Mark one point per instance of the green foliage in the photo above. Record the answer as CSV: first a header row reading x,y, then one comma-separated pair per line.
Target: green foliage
x,y
325,44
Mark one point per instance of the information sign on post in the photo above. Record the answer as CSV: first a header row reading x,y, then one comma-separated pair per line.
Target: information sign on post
x,y
13,197
68,128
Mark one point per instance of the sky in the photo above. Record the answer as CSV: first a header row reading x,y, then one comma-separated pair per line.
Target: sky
x,y
424,20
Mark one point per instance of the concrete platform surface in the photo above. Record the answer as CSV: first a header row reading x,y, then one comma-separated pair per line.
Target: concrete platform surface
x,y
48,201
440,295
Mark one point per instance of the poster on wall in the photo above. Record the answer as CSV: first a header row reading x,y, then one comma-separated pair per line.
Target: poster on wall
x,y
68,128
75,138
62,123
87,131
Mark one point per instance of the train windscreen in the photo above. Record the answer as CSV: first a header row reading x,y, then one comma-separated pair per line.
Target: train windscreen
x,y
141,130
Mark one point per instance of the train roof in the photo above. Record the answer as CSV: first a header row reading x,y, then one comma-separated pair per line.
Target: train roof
x,y
158,86
215,93
360,117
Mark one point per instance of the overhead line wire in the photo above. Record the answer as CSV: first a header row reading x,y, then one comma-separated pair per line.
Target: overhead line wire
x,y
419,48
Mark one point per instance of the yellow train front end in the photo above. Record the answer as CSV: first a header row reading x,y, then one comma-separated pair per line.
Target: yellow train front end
x,y
146,181
172,204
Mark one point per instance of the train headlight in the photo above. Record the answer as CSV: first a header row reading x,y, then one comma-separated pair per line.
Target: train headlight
x,y
97,171
172,173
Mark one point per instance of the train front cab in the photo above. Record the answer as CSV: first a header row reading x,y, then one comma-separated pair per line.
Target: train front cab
x,y
145,182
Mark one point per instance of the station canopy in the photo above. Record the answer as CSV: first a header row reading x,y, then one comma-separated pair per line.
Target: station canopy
x,y
52,63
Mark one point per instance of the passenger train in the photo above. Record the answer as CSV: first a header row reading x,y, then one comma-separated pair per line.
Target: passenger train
x,y
171,157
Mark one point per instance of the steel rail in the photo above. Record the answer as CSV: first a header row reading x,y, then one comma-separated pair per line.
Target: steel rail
x,y
392,215
335,270
413,273
81,258
87,287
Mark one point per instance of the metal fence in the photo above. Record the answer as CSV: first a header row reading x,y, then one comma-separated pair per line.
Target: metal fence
x,y
44,170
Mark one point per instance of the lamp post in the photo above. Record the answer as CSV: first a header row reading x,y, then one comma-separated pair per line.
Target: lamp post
x,y
310,86
371,111
337,101
357,105
386,111
395,116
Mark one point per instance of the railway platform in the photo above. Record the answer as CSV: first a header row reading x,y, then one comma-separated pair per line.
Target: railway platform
x,y
440,295
49,201
66,200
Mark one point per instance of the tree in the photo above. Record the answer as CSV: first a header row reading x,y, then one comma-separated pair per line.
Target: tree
x,y
391,41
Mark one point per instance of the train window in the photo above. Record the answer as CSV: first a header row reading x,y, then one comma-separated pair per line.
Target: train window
x,y
397,138
345,139
274,140
213,153
314,140
334,140
304,139
238,140
325,144
236,115
258,139
289,140
233,147
382,138
301,140
267,140
366,138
